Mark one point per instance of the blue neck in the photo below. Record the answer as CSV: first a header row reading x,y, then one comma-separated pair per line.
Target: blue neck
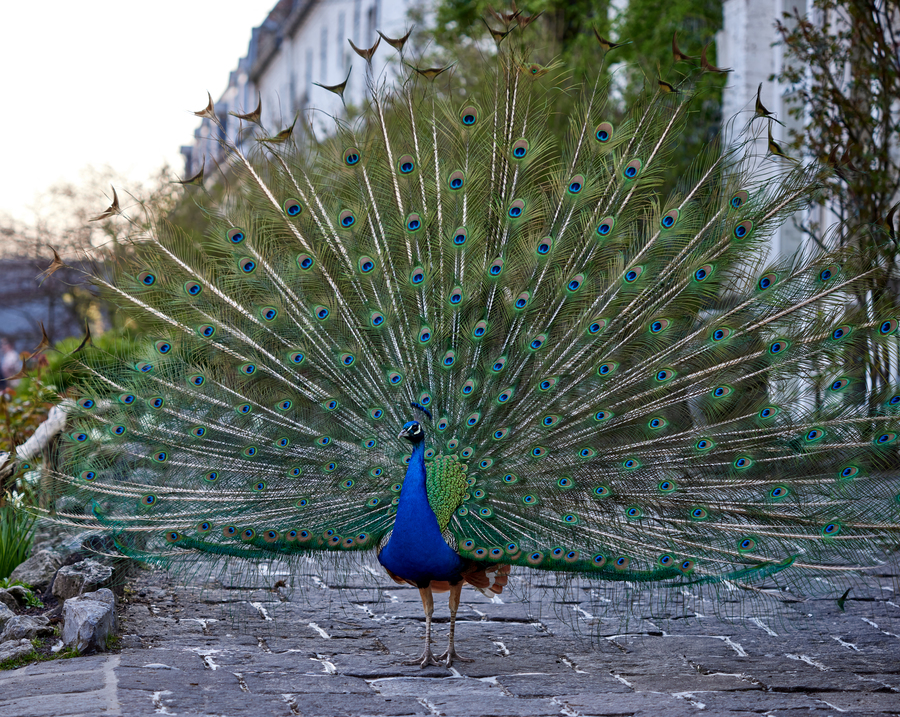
x,y
417,550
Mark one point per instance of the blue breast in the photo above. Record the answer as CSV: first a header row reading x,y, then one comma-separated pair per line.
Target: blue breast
x,y
416,550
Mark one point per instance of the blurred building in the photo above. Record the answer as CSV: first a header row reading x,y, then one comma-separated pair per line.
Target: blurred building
x,y
26,302
302,42
750,45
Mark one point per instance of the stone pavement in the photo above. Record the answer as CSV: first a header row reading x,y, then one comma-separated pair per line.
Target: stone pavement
x,y
333,646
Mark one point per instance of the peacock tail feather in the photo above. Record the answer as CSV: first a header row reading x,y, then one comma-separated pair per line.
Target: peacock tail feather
x,y
619,380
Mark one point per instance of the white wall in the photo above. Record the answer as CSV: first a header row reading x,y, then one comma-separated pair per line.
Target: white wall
x,y
748,43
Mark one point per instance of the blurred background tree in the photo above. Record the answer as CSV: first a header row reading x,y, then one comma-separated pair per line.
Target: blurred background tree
x,y
565,32
842,75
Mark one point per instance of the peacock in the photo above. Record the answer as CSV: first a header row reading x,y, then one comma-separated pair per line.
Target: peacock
x,y
441,337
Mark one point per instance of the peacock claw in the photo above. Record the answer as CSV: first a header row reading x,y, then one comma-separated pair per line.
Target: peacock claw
x,y
450,655
423,662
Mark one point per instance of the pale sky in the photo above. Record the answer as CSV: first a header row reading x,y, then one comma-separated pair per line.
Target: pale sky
x,y
101,82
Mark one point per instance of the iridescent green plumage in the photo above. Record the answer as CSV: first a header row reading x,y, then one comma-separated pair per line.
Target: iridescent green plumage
x,y
446,486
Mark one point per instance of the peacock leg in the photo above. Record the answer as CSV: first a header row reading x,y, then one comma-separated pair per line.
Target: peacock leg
x,y
427,603
450,654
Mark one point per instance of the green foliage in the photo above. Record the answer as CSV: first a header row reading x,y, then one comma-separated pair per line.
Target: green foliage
x,y
565,33
65,369
31,599
649,25
16,536
22,410
843,72
40,653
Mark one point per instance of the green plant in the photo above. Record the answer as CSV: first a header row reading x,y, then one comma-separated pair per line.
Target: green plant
x,y
16,535
31,599
40,653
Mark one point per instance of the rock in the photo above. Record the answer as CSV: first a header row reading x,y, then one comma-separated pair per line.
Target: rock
x,y
5,615
14,649
86,576
19,594
21,627
89,620
38,570
8,599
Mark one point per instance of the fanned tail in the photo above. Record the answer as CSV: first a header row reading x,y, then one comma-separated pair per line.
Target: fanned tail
x,y
625,376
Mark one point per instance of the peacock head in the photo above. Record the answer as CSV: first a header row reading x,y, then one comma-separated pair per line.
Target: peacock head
x,y
412,432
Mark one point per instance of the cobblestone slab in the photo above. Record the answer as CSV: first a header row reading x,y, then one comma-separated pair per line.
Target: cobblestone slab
x,y
335,647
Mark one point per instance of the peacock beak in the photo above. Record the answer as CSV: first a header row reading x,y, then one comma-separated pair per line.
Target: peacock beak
x,y
403,434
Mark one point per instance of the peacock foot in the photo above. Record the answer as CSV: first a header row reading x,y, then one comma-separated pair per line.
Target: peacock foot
x,y
450,655
426,659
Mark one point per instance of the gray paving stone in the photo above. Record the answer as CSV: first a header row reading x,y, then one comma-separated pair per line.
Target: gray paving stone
x,y
24,686
626,704
46,705
551,685
490,707
234,651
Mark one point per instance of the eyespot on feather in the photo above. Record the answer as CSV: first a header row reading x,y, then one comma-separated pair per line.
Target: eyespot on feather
x,y
537,342
544,246
841,332
516,209
607,369
839,384
606,225
519,148
669,219
346,219
829,272
603,132
417,276
738,199
632,169
665,374
547,383
742,230
413,222
575,283
351,156
703,273
575,184
292,207
469,115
